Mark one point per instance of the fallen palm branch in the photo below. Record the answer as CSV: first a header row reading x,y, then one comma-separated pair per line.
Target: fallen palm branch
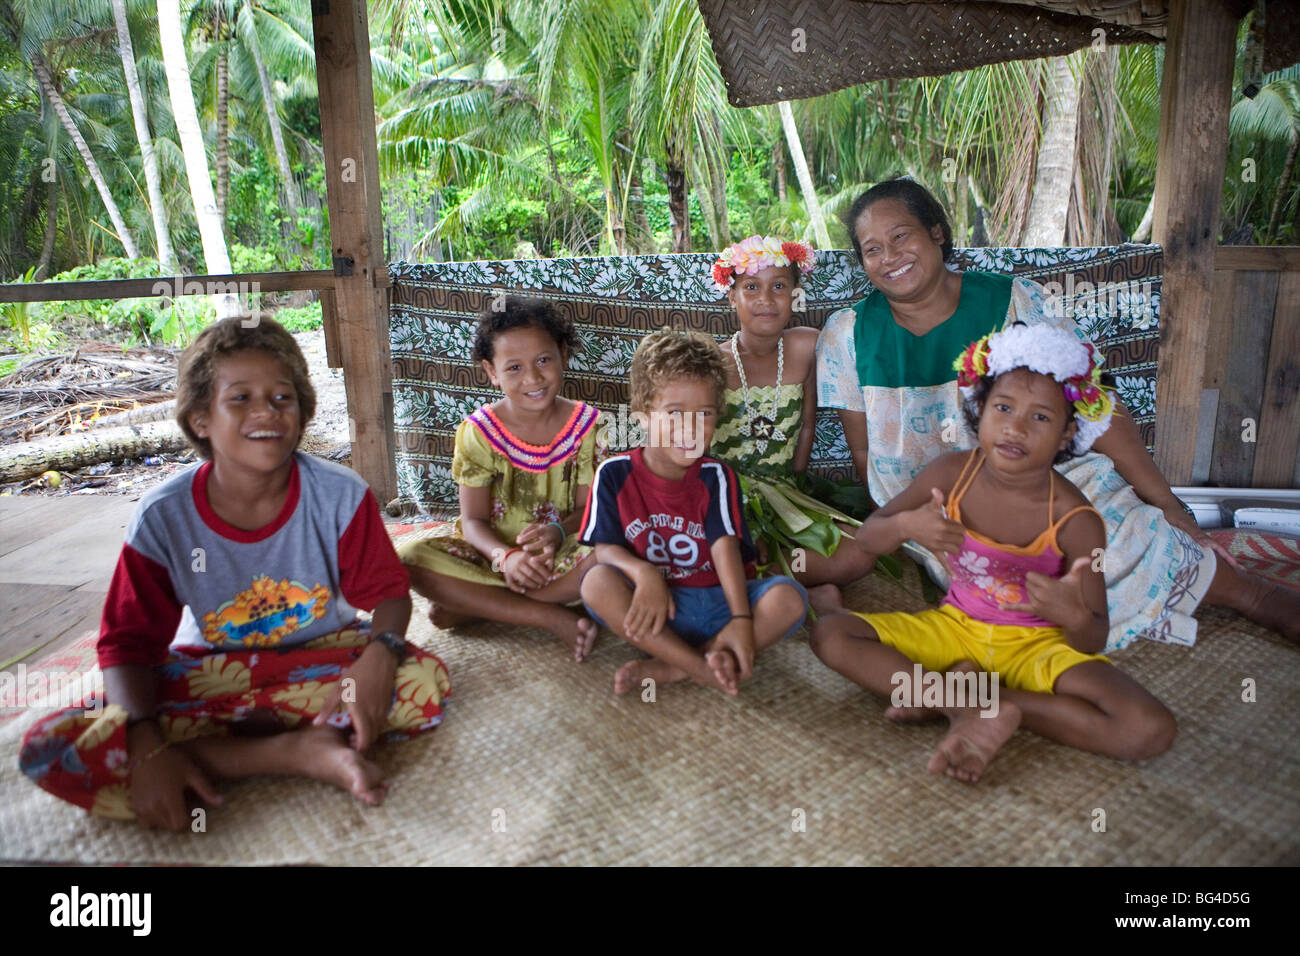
x,y
58,393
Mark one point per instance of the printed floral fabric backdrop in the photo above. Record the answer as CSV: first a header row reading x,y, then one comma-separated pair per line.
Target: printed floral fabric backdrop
x,y
1113,293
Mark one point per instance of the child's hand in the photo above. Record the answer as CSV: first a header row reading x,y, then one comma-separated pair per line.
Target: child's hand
x,y
930,527
1059,600
738,637
652,605
372,698
523,572
541,538
158,788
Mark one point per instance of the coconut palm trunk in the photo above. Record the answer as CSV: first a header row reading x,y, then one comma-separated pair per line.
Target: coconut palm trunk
x,y
810,200
191,136
51,230
1048,208
153,182
272,118
51,92
1283,186
223,130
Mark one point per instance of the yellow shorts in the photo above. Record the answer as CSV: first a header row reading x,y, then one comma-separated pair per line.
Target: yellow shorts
x,y
1024,658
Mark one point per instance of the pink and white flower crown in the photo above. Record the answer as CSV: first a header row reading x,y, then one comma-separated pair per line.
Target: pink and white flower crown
x,y
1051,351
751,256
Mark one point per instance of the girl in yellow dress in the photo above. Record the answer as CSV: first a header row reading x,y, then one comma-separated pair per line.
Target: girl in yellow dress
x,y
524,465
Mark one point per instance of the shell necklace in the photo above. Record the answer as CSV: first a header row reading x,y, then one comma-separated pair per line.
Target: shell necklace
x,y
761,429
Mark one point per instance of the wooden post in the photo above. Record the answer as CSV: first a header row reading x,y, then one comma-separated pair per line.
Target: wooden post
x,y
347,114
1195,96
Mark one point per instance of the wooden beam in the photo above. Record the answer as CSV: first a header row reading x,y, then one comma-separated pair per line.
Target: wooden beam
x,y
1195,96
347,114
329,320
1258,258
172,286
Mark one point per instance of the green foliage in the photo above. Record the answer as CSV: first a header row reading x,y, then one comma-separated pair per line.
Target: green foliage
x,y
42,337
502,123
180,322
307,318
248,259
131,315
19,316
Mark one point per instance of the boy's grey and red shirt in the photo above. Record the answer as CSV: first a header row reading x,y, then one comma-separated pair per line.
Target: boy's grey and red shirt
x,y
185,577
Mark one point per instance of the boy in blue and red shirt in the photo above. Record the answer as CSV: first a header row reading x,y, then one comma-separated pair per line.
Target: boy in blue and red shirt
x,y
675,564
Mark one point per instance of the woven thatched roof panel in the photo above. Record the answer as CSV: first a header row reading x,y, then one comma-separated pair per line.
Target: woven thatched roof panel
x,y
764,58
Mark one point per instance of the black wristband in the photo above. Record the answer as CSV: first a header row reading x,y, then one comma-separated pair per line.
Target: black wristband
x,y
394,642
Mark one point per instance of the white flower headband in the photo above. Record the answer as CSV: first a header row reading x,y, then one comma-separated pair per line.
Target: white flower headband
x,y
1051,351
751,256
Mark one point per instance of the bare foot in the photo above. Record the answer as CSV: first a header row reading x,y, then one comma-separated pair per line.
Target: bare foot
x,y
1277,608
911,715
630,675
587,632
972,741
825,598
577,631
442,618
322,754
724,667
919,714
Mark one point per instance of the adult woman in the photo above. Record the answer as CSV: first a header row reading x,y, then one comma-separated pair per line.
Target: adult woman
x,y
886,364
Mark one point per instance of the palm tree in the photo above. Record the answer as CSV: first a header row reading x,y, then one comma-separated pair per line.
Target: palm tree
x,y
679,107
247,30
51,91
166,257
810,200
1054,176
583,67
462,105
1273,116
216,259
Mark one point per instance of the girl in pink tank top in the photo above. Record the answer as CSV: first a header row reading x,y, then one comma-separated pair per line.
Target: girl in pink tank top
x,y
989,579
1025,610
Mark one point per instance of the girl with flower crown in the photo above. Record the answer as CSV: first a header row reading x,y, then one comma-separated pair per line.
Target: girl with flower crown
x,y
766,432
1027,598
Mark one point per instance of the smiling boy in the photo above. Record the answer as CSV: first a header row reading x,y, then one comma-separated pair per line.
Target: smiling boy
x,y
675,563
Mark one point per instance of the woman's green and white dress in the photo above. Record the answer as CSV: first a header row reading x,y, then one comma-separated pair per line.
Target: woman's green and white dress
x,y
1156,575
778,511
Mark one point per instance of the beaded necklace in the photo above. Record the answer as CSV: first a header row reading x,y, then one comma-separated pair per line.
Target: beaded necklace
x,y
761,429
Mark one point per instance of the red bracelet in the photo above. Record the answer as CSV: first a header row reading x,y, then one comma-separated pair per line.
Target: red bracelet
x,y
506,555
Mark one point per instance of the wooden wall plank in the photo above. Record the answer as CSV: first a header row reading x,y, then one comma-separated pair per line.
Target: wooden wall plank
x,y
1279,416
1196,93
1258,258
347,113
1242,389
1218,340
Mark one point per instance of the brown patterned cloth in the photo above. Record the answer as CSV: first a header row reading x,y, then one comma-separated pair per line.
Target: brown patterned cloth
x,y
615,301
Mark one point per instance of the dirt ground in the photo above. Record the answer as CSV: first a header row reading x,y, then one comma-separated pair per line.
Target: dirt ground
x,y
327,437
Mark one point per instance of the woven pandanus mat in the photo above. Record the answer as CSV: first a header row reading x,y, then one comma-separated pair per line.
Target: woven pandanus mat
x,y
764,58
538,762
